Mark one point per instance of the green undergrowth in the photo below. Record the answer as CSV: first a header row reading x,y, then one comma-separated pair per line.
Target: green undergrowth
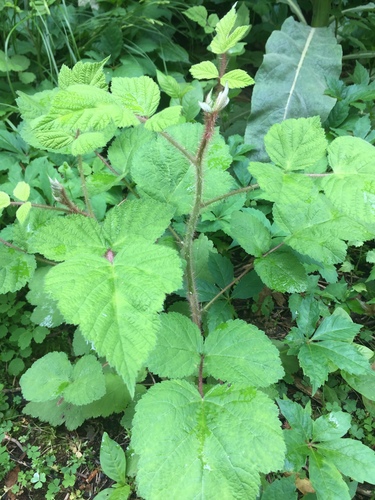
x,y
191,296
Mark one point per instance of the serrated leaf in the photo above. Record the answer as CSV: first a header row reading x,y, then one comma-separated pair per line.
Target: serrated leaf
x,y
4,200
178,348
326,479
221,269
204,70
23,211
200,441
296,144
115,399
170,85
317,359
16,269
112,459
81,107
299,418
251,231
165,118
351,457
47,377
114,300
236,79
282,271
166,174
57,413
63,237
140,95
198,14
22,191
351,187
87,73
145,218
238,352
226,37
87,382
123,148
339,326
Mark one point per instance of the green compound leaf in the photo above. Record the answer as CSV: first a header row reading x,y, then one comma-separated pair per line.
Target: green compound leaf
x,y
57,413
197,14
53,376
226,37
170,85
282,271
296,144
166,174
351,457
140,95
83,73
114,300
145,218
236,79
166,118
112,459
123,148
204,70
47,378
201,446
87,382
251,230
312,225
299,418
326,479
318,359
64,237
178,347
238,352
81,107
351,188
16,269
34,106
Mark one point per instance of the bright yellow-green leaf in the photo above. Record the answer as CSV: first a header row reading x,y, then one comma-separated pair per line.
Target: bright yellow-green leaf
x,y
204,70
22,191
4,200
23,212
236,79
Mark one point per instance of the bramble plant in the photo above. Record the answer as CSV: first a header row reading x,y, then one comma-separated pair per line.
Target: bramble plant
x,y
150,292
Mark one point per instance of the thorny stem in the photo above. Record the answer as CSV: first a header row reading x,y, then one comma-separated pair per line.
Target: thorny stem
x,y
231,193
192,292
46,207
84,187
